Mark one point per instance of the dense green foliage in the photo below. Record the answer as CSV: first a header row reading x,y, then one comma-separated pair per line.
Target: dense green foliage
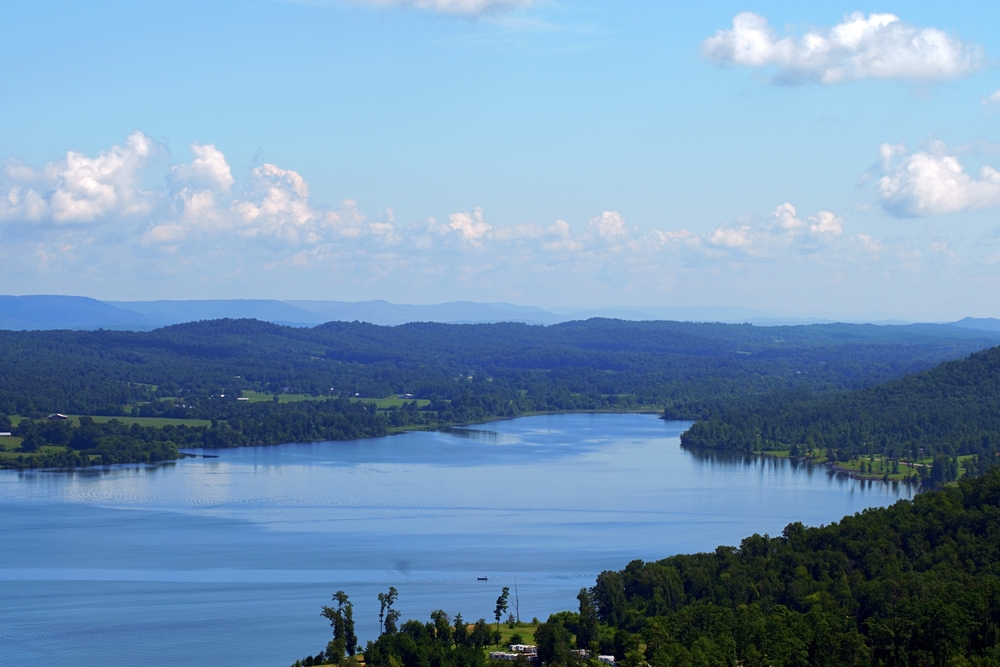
x,y
917,583
948,410
91,443
468,373
244,424
597,363
438,643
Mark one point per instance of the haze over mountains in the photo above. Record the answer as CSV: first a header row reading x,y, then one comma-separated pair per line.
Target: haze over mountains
x,y
42,312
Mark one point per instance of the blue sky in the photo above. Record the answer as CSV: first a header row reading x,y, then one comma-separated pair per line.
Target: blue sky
x,y
809,159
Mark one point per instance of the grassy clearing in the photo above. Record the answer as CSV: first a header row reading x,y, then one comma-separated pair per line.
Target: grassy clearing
x,y
526,630
878,466
392,401
387,402
261,397
9,444
158,422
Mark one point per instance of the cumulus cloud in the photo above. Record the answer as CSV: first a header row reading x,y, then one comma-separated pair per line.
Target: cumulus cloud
x,y
730,237
609,224
992,100
460,7
785,217
206,221
80,189
782,231
208,169
931,182
470,226
825,222
879,46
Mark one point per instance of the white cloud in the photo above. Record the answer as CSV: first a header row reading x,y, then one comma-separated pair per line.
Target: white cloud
x,y
278,205
460,7
825,222
932,181
992,100
470,226
80,189
209,227
609,224
879,46
730,237
208,169
785,218
783,231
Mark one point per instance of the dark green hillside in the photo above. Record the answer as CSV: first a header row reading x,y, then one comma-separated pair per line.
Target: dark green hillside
x,y
949,410
458,373
592,364
917,583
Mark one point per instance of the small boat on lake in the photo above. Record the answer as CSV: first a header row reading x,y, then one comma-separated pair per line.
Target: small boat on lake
x,y
482,578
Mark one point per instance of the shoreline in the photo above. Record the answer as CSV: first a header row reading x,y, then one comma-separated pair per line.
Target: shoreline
x,y
391,431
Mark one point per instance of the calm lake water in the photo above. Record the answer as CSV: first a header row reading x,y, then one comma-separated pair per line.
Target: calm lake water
x,y
224,561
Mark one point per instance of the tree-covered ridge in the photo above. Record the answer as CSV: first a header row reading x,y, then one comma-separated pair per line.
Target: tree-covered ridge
x,y
948,410
917,583
598,363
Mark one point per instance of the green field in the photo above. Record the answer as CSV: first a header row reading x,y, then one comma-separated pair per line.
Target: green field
x,y
158,422
9,444
878,466
526,630
260,397
388,402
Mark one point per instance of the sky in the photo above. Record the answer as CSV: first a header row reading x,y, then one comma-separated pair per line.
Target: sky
x,y
813,159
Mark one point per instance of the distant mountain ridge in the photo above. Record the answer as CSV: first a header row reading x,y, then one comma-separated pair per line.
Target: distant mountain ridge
x,y
981,323
40,312
45,312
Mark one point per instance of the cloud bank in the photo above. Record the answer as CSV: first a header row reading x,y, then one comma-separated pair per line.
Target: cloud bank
x,y
880,46
96,224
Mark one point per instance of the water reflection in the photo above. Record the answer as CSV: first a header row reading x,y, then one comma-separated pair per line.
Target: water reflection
x,y
481,435
715,457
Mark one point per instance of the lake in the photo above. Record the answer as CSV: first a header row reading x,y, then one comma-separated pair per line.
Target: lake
x,y
223,561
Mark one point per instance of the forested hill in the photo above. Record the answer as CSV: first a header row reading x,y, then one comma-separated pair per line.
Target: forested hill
x,y
952,409
917,583
597,363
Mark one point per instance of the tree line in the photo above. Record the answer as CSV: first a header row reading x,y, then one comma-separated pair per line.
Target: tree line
x,y
950,410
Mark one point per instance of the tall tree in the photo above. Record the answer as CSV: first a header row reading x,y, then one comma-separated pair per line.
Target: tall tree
x,y
342,620
385,612
587,631
501,606
461,631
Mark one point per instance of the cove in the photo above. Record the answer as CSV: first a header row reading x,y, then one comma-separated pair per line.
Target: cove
x,y
217,561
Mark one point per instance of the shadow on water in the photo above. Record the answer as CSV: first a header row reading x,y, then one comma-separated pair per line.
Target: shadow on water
x,y
481,435
98,472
